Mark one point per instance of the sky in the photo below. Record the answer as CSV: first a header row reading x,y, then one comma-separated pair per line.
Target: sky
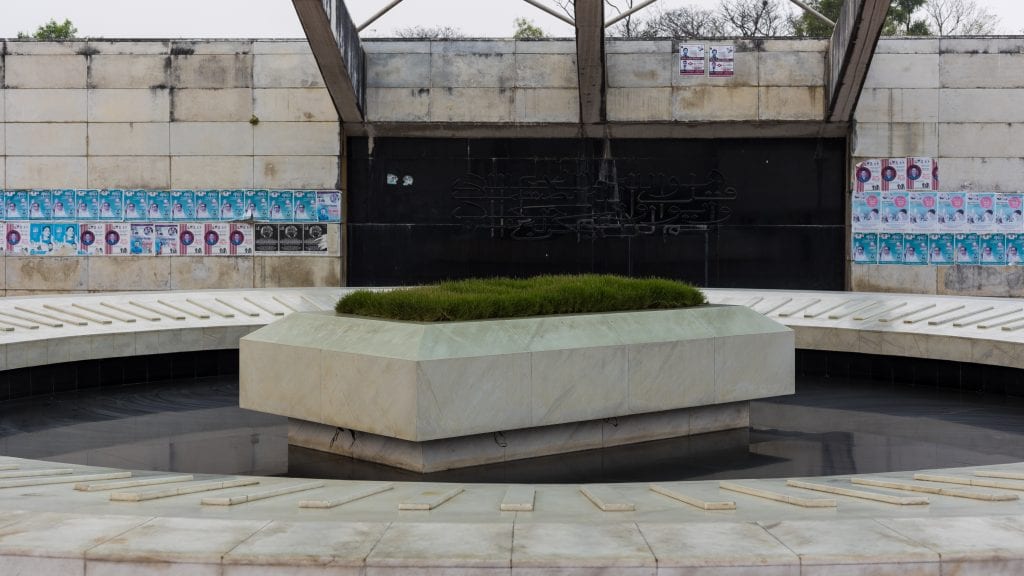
x,y
276,18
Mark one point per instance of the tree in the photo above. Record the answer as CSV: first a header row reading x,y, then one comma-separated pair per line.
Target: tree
x,y
684,22
960,17
430,33
901,21
53,31
527,30
752,18
808,25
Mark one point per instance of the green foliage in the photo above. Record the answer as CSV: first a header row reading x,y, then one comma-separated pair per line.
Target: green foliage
x,y
901,20
526,30
53,31
809,26
477,299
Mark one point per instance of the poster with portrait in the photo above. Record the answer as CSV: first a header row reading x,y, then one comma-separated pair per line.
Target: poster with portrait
x,y
866,211
940,249
328,206
890,248
62,203
257,205
919,174
967,248
915,249
304,206
90,238
16,205
232,204
721,60
865,247
190,238
117,239
215,239
281,205
923,210
17,239
894,174
39,205
111,205
143,238
183,205
952,208
993,249
167,241
265,238
240,239
66,239
53,239
981,211
314,238
158,205
289,238
207,205
135,206
1014,249
692,58
867,176
895,211
1008,212
87,204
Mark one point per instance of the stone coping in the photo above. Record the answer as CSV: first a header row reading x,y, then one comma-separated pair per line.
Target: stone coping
x,y
253,524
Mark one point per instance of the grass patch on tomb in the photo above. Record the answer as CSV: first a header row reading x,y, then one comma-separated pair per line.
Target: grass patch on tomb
x,y
482,299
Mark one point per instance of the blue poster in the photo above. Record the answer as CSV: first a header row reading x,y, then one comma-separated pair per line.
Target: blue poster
x,y
915,249
1008,213
328,206
923,214
256,205
968,248
952,208
135,206
1014,249
890,248
111,205
16,202
62,204
304,202
281,205
993,250
981,212
232,204
57,238
87,204
207,204
158,205
183,205
940,249
865,248
39,207
143,239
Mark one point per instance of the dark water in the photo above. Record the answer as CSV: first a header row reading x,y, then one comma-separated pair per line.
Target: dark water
x,y
830,426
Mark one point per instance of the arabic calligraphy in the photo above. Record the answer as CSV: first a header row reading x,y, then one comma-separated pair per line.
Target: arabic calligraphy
x,y
538,208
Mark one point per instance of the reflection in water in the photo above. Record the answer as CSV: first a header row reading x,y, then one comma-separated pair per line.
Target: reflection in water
x,y
831,426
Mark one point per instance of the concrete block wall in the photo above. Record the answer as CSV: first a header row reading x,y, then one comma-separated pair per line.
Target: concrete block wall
x,y
164,115
532,82
960,100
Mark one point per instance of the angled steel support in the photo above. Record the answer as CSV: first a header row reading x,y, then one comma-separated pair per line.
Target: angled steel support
x,y
590,60
335,43
852,47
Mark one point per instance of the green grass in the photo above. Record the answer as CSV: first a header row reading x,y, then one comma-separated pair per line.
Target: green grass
x,y
479,299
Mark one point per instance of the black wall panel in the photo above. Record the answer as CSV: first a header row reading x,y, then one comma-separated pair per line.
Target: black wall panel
x,y
727,213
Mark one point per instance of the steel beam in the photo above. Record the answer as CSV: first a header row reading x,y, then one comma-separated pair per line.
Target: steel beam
x,y
590,60
850,52
342,78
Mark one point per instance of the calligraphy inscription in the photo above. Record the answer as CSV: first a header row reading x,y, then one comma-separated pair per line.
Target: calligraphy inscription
x,y
539,208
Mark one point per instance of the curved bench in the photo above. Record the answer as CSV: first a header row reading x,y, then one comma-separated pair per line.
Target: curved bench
x,y
154,521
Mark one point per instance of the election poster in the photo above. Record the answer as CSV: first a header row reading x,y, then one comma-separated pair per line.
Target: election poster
x,y
328,206
915,249
117,238
866,211
993,249
183,205
890,248
721,60
111,205
314,238
90,238
967,248
53,239
266,238
919,174
39,206
923,213
692,58
62,204
281,205
87,204
894,174
940,249
207,203
257,205
952,208
17,239
895,211
158,205
167,240
240,239
135,206
232,204
304,205
289,238
190,239
215,239
16,203
1014,249
868,176
143,239
865,247
1008,212
980,212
